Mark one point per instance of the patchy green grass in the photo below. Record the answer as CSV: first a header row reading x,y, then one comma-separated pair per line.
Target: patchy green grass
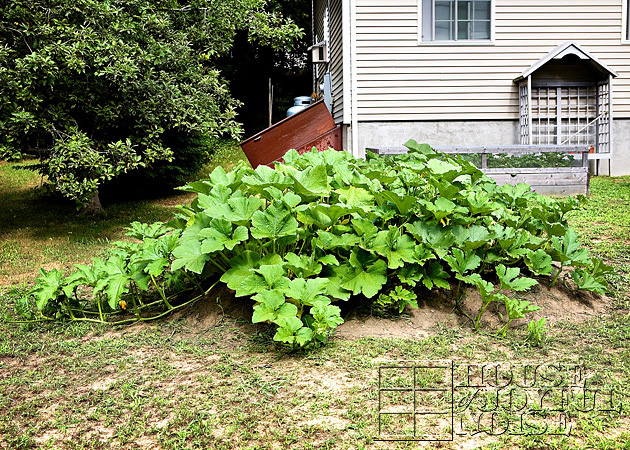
x,y
172,385
604,221
38,229
603,224
204,380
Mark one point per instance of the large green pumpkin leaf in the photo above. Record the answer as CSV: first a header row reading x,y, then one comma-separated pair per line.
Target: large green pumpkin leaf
x,y
480,203
446,170
355,197
335,275
568,250
271,306
264,177
116,282
484,287
364,228
117,285
365,279
472,237
292,331
251,285
302,266
434,275
49,286
325,316
587,282
312,181
273,223
201,187
446,188
195,224
404,203
220,235
241,267
274,275
242,209
188,254
410,274
335,211
313,216
442,208
307,292
510,279
398,249
329,241
539,262
214,202
461,262
434,236
266,277
423,149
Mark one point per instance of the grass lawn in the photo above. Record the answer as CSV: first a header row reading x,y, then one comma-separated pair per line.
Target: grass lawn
x,y
209,379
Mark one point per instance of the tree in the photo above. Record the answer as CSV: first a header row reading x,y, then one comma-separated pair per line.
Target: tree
x,y
97,87
250,65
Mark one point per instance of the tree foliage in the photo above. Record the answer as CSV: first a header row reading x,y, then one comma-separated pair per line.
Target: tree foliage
x,y
93,86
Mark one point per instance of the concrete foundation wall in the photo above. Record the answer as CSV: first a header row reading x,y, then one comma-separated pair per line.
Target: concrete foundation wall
x,y
384,134
621,148
501,132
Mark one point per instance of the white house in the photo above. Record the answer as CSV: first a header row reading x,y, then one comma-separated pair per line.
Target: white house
x,y
478,72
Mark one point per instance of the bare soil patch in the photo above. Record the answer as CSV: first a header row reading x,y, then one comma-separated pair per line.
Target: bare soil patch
x,y
434,309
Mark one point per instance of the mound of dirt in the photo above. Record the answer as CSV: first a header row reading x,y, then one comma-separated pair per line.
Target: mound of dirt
x,y
557,303
436,308
220,303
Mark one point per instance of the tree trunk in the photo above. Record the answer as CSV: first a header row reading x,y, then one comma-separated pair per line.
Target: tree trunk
x,y
93,208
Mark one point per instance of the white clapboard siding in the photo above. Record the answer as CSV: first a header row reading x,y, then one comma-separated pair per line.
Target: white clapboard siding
x,y
336,59
400,79
335,51
319,9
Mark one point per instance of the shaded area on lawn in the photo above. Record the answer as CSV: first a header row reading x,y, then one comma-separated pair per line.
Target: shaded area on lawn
x,y
38,228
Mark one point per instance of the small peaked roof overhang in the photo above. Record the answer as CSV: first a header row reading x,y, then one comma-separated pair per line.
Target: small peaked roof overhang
x,y
568,48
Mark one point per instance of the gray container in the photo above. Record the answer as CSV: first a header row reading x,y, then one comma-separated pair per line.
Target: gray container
x,y
299,103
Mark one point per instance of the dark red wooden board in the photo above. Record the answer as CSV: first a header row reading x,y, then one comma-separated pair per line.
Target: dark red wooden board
x,y
302,131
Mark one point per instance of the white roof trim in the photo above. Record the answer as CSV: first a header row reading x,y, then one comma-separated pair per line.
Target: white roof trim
x,y
568,48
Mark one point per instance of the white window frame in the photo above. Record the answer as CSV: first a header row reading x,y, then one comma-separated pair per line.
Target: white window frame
x,y
462,42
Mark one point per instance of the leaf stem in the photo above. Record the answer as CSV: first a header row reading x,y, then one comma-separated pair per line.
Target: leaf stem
x,y
555,279
100,309
161,292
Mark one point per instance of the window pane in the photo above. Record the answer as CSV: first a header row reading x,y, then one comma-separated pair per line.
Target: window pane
x,y
444,10
464,9
480,30
481,10
443,31
463,30
447,20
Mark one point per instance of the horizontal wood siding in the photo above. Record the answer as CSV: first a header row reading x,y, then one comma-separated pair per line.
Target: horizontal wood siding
x,y
319,8
399,79
336,60
318,20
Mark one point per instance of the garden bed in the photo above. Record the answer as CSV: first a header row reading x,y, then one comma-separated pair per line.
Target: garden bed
x,y
549,170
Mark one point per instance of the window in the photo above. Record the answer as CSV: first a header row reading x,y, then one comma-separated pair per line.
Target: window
x,y
455,20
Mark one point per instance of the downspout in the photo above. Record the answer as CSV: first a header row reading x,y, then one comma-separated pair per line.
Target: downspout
x,y
353,79
610,126
530,127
